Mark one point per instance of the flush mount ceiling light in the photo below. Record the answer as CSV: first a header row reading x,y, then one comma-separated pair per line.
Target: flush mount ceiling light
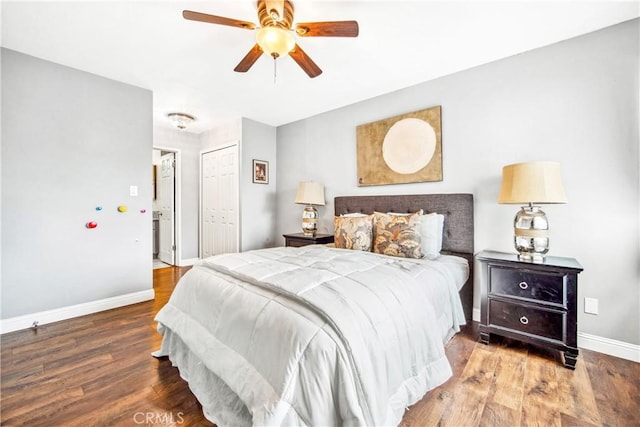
x,y
181,120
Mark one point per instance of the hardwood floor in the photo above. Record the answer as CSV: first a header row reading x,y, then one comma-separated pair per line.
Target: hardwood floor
x,y
97,370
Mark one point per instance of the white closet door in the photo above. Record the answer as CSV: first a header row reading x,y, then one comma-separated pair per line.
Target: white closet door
x,y
166,201
219,202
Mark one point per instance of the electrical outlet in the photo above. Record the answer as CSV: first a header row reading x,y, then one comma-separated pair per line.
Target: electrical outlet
x,y
591,305
133,191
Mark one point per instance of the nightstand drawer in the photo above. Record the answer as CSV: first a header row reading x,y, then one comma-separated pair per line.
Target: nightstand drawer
x,y
300,239
296,243
521,318
531,285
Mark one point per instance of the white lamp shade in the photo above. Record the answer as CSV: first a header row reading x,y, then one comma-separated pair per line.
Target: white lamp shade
x,y
275,41
310,193
532,182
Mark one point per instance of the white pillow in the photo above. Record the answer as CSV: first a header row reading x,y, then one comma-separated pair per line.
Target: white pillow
x,y
431,227
353,215
440,230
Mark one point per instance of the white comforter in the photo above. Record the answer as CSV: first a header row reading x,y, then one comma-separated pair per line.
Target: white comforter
x,y
316,335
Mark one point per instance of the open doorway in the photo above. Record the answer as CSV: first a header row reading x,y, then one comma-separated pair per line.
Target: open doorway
x,y
165,214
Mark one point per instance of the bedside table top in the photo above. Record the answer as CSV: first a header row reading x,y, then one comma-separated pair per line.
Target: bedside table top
x,y
304,236
553,261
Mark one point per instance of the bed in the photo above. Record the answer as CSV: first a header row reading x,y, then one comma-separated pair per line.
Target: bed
x,y
319,335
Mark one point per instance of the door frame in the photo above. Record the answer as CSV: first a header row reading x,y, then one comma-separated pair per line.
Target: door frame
x,y
177,208
229,144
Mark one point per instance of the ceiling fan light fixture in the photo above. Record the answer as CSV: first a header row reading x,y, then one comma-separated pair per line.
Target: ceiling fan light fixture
x,y
275,41
275,35
181,120
275,9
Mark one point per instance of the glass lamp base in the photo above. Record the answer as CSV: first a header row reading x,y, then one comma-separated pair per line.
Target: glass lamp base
x,y
531,234
309,221
530,257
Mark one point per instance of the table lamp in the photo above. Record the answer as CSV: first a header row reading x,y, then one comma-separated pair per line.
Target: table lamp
x,y
531,183
310,194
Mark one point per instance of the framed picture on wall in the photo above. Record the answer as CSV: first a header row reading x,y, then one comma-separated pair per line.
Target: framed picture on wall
x,y
400,149
260,171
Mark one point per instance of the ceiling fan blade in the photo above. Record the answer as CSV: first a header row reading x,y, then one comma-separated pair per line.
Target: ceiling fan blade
x,y
220,20
249,59
328,29
306,63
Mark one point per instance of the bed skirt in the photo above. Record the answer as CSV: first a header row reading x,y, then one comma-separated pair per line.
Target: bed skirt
x,y
220,404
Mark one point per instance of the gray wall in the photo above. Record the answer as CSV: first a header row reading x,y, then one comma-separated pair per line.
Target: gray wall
x,y
575,102
72,141
258,201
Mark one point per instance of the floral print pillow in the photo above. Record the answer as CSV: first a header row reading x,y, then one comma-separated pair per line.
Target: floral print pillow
x,y
353,232
398,235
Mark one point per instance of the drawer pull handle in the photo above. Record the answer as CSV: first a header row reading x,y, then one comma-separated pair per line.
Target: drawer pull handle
x,y
523,285
524,320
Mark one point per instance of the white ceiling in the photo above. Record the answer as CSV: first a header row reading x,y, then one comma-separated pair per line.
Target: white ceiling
x,y
189,65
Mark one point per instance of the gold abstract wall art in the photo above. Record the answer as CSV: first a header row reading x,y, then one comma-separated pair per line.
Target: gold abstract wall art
x,y
401,149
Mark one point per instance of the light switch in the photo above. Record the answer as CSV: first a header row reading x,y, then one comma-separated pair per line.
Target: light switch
x,y
133,191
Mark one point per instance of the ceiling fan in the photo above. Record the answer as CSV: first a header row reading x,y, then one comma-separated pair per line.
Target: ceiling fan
x,y
275,34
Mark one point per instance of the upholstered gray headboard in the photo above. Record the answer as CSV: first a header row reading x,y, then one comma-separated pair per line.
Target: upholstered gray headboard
x,y
456,208
457,236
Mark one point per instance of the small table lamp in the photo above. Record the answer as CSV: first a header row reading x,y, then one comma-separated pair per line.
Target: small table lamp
x,y
531,182
310,193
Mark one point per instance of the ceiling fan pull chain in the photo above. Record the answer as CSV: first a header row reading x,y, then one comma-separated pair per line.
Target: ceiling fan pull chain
x,y
274,71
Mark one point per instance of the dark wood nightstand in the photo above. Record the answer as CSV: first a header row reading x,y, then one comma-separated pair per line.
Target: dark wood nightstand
x,y
300,239
531,302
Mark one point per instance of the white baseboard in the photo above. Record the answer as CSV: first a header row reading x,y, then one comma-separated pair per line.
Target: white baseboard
x,y
63,313
608,346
